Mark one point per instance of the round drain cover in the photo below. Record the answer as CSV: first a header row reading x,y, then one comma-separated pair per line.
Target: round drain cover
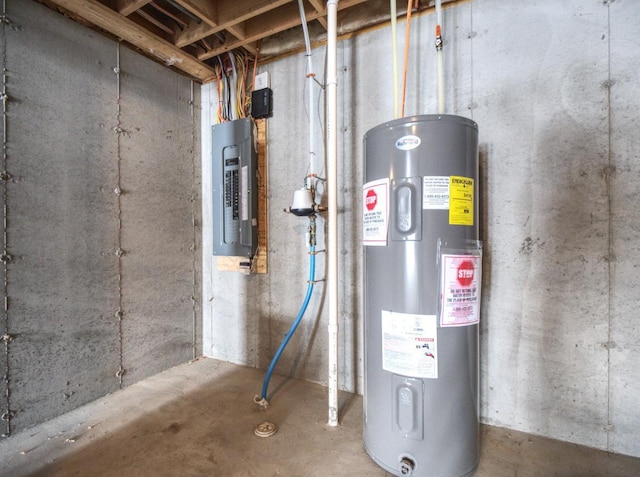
x,y
266,429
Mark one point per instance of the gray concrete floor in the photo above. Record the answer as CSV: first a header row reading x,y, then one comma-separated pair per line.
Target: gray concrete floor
x,y
198,419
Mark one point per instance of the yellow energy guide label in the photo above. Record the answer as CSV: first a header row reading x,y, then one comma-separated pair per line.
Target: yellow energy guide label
x,y
461,200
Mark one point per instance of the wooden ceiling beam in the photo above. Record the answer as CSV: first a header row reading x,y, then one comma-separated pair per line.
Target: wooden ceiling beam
x,y
193,33
271,23
229,15
155,22
129,31
237,31
206,10
251,47
319,7
127,7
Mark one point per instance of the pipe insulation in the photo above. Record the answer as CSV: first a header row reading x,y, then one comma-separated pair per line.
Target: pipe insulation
x,y
332,189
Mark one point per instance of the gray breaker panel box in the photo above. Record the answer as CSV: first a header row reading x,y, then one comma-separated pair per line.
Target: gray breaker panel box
x,y
234,189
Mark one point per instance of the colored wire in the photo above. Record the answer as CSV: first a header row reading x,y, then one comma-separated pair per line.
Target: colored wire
x,y
234,98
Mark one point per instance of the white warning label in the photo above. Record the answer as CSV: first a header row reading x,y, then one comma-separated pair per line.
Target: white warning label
x,y
435,192
375,212
410,344
245,193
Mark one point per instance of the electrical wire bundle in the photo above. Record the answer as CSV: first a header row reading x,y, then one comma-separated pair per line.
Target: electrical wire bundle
x,y
234,91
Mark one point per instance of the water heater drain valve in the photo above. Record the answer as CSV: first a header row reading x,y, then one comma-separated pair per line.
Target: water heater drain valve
x,y
407,466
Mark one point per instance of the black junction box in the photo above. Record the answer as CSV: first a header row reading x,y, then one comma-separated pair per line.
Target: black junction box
x,y
262,103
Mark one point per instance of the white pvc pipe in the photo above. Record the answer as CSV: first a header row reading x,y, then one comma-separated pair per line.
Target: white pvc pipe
x,y
394,48
332,190
310,82
440,59
440,82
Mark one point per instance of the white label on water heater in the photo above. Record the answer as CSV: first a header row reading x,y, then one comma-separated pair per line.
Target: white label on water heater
x,y
435,192
375,212
410,344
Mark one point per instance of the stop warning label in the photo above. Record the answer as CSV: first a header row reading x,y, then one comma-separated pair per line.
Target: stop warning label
x,y
465,273
375,212
460,290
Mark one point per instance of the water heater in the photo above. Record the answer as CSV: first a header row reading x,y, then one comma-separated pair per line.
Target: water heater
x,y
422,274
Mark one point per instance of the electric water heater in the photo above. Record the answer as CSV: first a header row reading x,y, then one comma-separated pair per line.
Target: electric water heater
x,y
422,273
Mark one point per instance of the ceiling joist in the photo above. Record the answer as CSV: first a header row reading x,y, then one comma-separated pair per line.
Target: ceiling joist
x,y
126,29
188,34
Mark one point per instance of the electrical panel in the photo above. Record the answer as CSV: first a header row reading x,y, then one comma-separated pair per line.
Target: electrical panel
x,y
235,189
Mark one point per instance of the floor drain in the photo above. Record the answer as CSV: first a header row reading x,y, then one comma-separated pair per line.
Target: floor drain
x,y
265,429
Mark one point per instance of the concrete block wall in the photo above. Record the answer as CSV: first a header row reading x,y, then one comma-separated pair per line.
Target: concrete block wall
x,y
76,131
553,87
621,177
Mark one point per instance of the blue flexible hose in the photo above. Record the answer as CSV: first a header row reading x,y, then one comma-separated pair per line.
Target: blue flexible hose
x,y
294,326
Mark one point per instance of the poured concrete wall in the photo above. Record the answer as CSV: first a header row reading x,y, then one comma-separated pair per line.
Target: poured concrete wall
x,y
80,252
553,87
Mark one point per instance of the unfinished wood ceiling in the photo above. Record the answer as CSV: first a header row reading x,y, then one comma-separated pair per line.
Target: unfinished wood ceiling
x,y
188,35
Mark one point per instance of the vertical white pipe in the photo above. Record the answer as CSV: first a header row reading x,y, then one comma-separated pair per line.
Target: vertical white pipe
x,y
312,121
332,189
310,82
440,82
440,58
394,55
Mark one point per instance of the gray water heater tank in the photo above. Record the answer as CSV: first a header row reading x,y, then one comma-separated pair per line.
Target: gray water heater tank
x,y
423,265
